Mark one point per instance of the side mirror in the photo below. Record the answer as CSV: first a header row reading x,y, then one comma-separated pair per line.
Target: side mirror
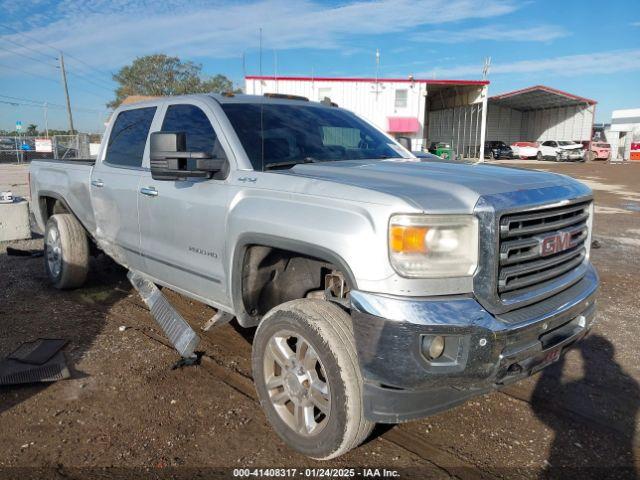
x,y
171,161
405,142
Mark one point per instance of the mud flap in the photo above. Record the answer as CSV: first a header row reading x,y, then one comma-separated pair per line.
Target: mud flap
x,y
177,330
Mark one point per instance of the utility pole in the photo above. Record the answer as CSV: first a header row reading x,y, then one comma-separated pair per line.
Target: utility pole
x,y
486,67
66,92
46,119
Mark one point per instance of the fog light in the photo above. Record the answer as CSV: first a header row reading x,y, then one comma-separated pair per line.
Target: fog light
x,y
433,346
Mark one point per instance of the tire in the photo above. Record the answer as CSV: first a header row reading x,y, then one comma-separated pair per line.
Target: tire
x,y
324,339
539,155
492,156
66,251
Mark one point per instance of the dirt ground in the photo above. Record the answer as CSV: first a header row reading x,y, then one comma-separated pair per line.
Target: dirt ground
x,y
126,413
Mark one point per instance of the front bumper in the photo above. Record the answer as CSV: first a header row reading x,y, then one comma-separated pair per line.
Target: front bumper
x,y
484,352
569,155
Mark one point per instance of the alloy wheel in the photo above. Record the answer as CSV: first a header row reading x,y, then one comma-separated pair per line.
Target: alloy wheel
x,y
296,382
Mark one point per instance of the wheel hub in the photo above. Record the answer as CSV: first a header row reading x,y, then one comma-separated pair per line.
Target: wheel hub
x,y
294,386
297,385
54,251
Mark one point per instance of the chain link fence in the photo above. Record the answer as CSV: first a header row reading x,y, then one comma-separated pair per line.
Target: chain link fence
x,y
22,149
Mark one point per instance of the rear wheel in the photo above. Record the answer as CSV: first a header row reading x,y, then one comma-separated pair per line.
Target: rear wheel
x,y
66,251
308,379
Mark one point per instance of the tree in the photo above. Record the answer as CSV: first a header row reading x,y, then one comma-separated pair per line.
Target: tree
x,y
32,130
161,75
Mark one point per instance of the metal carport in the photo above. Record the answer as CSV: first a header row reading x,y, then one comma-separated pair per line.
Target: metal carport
x,y
539,113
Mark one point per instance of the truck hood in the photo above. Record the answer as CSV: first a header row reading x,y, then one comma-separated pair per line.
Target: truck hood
x,y
443,187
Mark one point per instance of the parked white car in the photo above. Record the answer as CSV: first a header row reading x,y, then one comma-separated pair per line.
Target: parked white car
x,y
561,151
525,149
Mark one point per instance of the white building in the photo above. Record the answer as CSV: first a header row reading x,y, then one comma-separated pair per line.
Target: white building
x,y
625,131
449,111
424,110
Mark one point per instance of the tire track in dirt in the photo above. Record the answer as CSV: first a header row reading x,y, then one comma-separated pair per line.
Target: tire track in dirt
x,y
446,462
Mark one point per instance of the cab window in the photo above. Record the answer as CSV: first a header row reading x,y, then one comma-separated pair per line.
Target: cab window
x,y
129,136
194,123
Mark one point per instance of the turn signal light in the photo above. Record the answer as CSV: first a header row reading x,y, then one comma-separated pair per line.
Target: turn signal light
x,y
408,239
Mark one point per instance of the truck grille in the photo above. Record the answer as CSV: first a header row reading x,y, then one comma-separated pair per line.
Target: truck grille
x,y
540,246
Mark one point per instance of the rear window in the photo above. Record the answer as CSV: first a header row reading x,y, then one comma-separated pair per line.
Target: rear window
x,y
603,145
129,137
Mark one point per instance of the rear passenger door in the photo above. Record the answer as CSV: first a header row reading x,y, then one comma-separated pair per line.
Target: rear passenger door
x,y
114,186
182,222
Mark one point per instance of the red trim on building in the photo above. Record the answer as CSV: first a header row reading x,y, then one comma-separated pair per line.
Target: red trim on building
x,y
368,79
403,125
546,89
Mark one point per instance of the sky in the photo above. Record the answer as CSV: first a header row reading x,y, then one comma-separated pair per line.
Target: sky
x,y
588,48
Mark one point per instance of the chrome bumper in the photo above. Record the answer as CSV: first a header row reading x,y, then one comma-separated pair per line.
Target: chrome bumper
x,y
488,351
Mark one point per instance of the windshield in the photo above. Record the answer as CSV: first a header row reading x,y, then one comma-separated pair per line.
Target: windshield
x,y
276,135
563,143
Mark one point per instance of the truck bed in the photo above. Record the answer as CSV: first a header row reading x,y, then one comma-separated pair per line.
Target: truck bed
x,y
68,181
70,161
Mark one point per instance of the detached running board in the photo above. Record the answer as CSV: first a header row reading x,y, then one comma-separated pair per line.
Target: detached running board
x,y
177,330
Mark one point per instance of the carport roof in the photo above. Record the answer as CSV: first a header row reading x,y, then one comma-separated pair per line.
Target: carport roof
x,y
539,97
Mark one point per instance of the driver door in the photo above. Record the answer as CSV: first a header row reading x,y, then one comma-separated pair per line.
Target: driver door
x,y
182,222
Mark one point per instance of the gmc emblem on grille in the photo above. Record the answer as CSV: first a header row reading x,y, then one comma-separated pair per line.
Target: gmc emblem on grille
x,y
556,243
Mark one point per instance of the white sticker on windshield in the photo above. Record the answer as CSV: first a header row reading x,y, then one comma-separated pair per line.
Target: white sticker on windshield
x,y
400,151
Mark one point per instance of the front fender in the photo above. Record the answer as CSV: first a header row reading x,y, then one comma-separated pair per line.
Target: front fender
x,y
336,231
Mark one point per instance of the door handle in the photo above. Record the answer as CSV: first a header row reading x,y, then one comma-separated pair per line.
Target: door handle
x,y
97,183
150,191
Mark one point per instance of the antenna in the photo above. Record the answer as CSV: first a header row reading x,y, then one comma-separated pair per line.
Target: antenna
x,y
275,67
260,51
486,67
377,71
275,63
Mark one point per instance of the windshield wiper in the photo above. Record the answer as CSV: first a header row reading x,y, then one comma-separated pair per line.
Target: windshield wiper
x,y
291,163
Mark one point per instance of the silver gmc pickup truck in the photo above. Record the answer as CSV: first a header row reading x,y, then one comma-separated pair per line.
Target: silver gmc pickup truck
x,y
383,288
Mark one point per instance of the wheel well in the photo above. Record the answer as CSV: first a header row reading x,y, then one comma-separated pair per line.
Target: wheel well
x,y
51,206
271,276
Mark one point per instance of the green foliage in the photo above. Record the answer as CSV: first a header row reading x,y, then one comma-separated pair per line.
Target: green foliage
x,y
32,130
161,75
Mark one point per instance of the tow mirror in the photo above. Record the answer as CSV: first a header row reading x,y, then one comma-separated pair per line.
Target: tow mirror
x,y
405,142
171,161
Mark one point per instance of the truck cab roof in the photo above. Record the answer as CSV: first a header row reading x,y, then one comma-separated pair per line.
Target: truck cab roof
x,y
224,98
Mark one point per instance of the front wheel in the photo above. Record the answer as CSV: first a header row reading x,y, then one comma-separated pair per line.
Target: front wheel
x,y
308,380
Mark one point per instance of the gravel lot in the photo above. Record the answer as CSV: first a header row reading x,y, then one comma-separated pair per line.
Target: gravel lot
x,y
126,413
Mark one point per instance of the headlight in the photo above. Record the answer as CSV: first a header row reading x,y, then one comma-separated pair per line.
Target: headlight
x,y
431,246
